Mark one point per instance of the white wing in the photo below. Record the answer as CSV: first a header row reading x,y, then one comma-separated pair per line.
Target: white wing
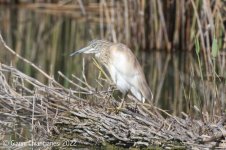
x,y
128,69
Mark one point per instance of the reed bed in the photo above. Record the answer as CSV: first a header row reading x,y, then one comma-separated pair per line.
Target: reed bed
x,y
150,25
47,33
82,116
51,102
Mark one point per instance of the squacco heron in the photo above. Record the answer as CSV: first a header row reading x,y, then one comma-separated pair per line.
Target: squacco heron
x,y
122,66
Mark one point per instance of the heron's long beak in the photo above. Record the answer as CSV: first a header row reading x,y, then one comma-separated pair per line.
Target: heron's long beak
x,y
85,50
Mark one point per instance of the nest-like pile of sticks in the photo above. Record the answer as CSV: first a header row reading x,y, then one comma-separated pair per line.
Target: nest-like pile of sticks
x,y
55,111
84,116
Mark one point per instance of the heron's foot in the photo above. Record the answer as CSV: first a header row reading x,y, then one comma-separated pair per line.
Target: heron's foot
x,y
120,106
117,109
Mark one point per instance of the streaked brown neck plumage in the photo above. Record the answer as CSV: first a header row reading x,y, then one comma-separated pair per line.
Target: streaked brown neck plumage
x,y
103,48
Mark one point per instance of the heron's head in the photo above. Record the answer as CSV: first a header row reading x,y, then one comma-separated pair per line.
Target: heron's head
x,y
94,47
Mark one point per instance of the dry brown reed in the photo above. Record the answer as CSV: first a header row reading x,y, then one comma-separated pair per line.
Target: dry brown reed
x,y
151,25
60,114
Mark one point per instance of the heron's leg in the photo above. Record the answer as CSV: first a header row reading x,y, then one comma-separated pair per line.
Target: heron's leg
x,y
122,101
121,104
120,107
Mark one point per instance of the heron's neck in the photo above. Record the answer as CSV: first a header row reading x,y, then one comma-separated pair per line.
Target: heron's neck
x,y
104,54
